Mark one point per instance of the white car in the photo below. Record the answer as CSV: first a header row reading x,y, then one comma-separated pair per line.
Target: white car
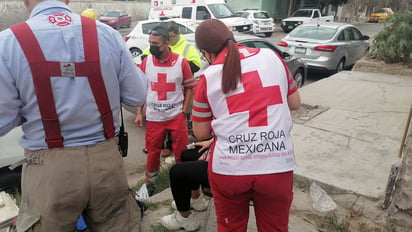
x,y
262,22
138,39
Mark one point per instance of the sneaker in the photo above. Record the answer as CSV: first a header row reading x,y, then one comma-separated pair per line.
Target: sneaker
x,y
199,204
166,152
150,189
175,221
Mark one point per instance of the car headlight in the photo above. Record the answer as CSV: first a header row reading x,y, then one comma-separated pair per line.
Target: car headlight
x,y
112,21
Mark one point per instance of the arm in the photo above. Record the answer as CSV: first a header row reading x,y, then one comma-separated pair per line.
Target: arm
x,y
187,100
202,130
294,101
10,102
139,117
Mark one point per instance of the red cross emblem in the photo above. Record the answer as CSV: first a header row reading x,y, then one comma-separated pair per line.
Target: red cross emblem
x,y
60,19
254,99
162,87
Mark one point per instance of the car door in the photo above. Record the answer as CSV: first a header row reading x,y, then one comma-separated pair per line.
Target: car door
x,y
359,45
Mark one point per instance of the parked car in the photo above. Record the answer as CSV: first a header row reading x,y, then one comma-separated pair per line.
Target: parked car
x,y
380,15
116,18
329,47
138,39
10,153
302,16
262,22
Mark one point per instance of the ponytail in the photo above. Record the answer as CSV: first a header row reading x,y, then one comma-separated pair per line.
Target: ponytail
x,y
231,73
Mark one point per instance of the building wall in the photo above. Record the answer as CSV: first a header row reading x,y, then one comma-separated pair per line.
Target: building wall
x,y
13,12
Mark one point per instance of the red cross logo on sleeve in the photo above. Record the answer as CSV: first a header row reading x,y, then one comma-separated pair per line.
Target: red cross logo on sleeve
x,y
162,87
254,99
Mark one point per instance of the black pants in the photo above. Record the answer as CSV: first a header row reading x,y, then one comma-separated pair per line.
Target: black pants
x,y
187,176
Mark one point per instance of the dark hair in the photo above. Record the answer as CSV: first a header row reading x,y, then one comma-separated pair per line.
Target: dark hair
x,y
212,35
172,27
160,31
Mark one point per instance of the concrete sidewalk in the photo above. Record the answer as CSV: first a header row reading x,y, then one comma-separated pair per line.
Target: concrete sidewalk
x,y
346,135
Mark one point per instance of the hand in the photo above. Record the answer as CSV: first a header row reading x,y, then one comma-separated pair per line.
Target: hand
x,y
204,144
139,120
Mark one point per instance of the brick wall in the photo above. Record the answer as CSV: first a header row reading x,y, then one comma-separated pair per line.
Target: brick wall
x,y
13,12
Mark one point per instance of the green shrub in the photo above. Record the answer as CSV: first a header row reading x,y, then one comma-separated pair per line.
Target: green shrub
x,y
393,44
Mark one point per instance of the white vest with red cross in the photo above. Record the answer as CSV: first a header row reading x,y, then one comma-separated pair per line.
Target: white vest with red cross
x,y
165,96
252,124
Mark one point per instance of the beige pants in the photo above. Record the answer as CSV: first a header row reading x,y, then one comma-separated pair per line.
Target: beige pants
x,y
60,184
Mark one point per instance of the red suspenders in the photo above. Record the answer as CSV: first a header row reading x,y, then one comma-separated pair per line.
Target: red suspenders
x,y
42,70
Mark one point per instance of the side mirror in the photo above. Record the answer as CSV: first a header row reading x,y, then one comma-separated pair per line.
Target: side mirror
x,y
365,37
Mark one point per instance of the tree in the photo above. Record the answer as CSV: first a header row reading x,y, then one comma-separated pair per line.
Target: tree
x,y
393,44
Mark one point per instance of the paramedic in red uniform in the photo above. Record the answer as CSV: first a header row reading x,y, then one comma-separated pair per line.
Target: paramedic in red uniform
x,y
244,99
169,94
62,79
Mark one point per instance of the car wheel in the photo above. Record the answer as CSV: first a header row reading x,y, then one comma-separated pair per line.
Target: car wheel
x,y
298,76
135,52
268,34
10,181
340,66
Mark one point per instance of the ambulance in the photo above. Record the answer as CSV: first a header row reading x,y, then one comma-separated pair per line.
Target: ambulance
x,y
199,10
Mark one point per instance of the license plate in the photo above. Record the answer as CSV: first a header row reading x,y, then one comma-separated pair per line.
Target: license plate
x,y
290,27
300,50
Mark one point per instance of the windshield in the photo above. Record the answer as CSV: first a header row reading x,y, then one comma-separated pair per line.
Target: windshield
x,y
313,32
261,15
221,11
111,14
302,13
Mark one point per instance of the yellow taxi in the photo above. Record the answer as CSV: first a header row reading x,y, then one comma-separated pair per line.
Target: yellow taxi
x,y
380,15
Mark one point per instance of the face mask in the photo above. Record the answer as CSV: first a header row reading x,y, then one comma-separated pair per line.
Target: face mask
x,y
155,50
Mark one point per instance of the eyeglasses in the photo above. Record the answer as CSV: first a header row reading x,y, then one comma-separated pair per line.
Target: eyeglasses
x,y
156,33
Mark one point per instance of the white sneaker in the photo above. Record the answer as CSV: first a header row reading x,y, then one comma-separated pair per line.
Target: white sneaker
x,y
175,221
199,204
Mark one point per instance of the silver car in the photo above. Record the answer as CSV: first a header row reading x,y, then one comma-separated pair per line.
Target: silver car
x,y
328,47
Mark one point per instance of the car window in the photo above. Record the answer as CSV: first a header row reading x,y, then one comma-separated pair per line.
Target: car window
x,y
357,35
260,15
221,11
187,12
315,14
313,32
202,13
345,35
184,30
260,44
148,26
111,14
302,13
